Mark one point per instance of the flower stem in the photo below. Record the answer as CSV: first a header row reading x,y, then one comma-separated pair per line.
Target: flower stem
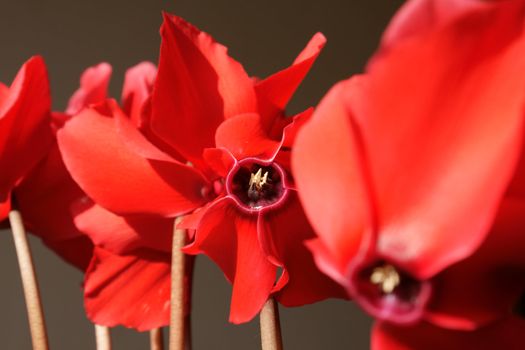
x,y
270,326
27,272
155,339
179,338
103,337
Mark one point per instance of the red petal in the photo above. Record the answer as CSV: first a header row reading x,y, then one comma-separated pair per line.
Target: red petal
x,y
117,178
284,231
487,285
5,208
133,291
219,160
138,84
25,124
198,86
443,147
45,197
93,88
122,235
244,137
506,335
280,87
77,251
416,17
230,239
328,173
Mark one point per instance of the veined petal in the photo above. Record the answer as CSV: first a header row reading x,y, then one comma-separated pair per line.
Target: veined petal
x,y
198,86
507,335
133,291
443,147
121,180
25,124
93,88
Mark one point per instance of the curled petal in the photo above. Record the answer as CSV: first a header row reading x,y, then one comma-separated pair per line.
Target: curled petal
x,y
120,179
93,88
133,291
197,87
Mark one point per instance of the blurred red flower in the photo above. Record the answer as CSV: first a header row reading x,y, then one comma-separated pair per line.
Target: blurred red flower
x,y
127,280
402,171
25,128
214,141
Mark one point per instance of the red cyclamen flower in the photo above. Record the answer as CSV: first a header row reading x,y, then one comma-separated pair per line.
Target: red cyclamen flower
x,y
402,171
214,141
25,127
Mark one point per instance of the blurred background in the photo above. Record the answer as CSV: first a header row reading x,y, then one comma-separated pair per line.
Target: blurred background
x,y
264,36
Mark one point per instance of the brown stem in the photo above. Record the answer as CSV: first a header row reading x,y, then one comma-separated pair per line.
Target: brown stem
x,y
103,337
270,326
156,340
27,273
179,293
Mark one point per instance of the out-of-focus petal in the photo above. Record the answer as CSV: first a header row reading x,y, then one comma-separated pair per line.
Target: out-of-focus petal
x,y
93,88
328,171
284,231
442,139
506,335
138,85
5,207
198,86
25,124
122,235
133,291
487,285
77,251
45,197
121,180
417,17
244,137
280,87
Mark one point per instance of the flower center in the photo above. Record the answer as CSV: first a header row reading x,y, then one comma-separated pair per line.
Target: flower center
x,y
389,293
256,184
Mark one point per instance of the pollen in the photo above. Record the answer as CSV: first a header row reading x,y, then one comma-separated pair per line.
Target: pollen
x,y
258,180
386,278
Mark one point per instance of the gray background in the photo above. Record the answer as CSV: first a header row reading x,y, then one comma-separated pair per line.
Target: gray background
x,y
265,36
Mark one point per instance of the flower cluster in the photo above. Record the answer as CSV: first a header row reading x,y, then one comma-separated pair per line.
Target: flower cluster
x,y
403,190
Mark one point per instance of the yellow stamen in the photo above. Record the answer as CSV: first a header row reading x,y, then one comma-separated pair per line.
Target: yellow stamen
x,y
386,277
258,180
